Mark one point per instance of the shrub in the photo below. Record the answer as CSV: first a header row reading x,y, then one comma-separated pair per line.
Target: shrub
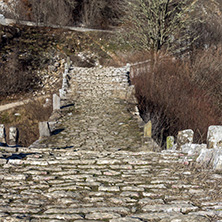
x,y
168,95
206,72
15,77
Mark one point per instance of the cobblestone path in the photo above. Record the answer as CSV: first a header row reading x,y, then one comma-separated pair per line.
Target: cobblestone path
x,y
100,118
94,168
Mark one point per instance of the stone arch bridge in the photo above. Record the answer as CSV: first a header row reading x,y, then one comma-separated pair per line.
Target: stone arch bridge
x,y
95,167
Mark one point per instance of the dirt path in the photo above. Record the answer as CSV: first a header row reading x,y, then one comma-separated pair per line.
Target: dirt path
x,y
9,22
19,103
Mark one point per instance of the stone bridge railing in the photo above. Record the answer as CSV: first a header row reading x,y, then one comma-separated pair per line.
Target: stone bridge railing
x,y
140,67
44,127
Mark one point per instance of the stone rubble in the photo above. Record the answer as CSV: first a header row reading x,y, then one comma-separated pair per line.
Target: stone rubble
x,y
207,155
94,167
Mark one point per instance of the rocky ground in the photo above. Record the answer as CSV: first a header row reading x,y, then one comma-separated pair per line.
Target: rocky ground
x,y
95,167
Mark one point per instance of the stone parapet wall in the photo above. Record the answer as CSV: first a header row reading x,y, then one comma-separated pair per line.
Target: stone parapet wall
x,y
207,155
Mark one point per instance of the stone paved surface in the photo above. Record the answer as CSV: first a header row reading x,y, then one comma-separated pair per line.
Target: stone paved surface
x,y
96,170
100,118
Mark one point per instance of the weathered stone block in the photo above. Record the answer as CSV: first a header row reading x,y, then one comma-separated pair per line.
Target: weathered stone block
x,y
205,157
56,102
170,142
214,137
193,149
44,130
68,62
13,136
148,129
2,135
217,159
184,136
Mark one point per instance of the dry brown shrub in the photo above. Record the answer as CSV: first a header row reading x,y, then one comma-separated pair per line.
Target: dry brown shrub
x,y
206,72
15,77
169,97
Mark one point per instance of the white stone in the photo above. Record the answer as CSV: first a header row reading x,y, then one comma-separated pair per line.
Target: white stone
x,y
2,134
13,136
217,159
193,149
56,102
214,137
205,157
184,136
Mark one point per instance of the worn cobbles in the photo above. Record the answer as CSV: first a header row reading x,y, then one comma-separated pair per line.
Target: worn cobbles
x,y
95,169
108,186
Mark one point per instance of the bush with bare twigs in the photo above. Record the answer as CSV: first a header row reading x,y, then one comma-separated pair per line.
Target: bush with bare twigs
x,y
15,77
171,95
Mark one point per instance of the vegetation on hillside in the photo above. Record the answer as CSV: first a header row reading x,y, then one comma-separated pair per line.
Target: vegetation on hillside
x,y
182,88
89,13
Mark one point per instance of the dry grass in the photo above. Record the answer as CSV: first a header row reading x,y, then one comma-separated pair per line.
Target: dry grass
x,y
27,120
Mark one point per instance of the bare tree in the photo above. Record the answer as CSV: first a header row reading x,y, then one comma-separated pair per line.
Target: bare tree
x,y
91,11
100,13
54,12
156,24
59,12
